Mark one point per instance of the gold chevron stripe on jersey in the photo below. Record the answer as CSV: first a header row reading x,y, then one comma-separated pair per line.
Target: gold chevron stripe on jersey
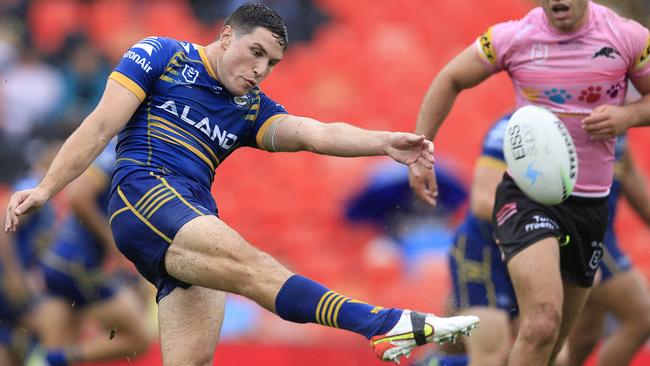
x,y
169,126
139,216
164,181
146,211
173,140
145,204
149,192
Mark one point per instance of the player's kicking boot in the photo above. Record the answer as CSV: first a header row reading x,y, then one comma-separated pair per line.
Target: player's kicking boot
x,y
415,329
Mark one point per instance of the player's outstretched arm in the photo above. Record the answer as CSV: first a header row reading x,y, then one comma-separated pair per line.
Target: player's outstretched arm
x,y
293,133
111,114
463,72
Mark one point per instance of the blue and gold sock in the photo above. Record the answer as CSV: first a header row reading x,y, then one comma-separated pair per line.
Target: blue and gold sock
x,y
302,300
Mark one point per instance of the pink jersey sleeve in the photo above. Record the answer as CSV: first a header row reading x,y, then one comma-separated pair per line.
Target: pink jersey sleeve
x,y
636,40
494,44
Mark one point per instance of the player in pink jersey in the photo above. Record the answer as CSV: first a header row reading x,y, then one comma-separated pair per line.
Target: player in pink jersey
x,y
575,58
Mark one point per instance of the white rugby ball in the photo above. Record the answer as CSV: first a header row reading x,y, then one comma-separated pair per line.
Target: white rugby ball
x,y
540,155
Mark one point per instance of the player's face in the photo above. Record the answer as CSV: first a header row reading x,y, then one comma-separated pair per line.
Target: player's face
x,y
566,15
248,59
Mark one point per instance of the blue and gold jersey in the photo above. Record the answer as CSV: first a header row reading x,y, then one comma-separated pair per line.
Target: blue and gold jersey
x,y
187,123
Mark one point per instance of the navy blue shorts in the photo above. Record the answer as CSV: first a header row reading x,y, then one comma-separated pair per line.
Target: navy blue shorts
x,y
70,275
147,210
578,223
479,276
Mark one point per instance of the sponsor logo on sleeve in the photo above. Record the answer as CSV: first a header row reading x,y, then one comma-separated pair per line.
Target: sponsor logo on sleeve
x,y
149,46
645,55
487,47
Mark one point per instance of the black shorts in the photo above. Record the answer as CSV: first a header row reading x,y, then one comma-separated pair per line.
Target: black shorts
x,y
578,223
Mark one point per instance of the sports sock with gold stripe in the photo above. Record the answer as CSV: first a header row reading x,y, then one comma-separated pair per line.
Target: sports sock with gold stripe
x,y
302,300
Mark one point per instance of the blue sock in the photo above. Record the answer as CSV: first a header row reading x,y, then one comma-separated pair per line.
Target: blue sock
x,y
302,300
56,357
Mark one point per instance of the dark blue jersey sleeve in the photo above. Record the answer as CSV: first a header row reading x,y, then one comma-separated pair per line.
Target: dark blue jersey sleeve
x,y
143,63
269,111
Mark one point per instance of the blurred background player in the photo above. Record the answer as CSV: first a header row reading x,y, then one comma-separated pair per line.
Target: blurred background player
x,y
548,68
77,284
21,284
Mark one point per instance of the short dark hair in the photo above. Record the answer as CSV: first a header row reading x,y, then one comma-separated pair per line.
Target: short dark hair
x,y
252,15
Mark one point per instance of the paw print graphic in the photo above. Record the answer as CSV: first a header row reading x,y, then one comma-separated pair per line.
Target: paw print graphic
x,y
614,90
559,96
590,95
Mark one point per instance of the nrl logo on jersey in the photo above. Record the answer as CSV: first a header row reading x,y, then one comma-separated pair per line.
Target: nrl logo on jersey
x,y
190,74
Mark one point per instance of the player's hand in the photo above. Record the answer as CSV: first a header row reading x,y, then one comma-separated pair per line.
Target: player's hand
x,y
424,184
408,149
607,121
23,203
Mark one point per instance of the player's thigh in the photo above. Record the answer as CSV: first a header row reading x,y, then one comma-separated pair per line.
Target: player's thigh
x,y
189,325
58,322
625,295
207,252
121,312
493,338
536,278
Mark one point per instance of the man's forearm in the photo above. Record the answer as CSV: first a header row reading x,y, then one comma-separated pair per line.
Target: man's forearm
x,y
342,139
76,154
436,106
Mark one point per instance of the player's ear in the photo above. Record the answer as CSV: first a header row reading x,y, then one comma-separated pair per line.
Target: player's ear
x,y
226,36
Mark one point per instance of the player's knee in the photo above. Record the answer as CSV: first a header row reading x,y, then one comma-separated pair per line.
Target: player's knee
x,y
542,325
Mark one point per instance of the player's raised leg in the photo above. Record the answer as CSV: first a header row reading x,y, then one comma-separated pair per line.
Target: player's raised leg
x,y
221,259
190,323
